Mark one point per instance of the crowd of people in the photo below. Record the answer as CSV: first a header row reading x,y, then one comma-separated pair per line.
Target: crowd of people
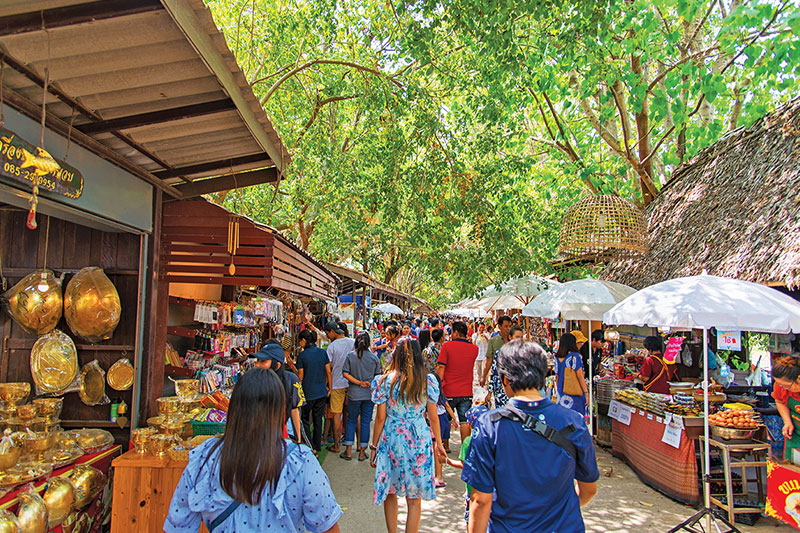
x,y
419,378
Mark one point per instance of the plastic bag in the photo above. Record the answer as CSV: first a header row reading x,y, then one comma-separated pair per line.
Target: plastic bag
x,y
32,512
35,302
93,384
91,305
54,363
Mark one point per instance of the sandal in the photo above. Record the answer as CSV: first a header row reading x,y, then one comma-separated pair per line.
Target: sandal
x,y
346,457
362,457
439,485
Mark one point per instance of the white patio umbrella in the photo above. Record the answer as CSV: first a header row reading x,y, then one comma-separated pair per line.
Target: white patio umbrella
x,y
582,299
703,302
524,289
387,308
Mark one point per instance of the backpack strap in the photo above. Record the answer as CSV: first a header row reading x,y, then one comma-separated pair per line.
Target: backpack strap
x,y
559,438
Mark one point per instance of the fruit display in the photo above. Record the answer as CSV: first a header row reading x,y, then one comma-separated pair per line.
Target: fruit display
x,y
91,305
735,418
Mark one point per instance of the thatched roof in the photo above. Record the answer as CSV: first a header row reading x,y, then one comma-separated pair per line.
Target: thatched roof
x,y
734,210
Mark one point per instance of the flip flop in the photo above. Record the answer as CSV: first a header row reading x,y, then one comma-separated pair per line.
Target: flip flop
x,y
440,485
362,457
346,457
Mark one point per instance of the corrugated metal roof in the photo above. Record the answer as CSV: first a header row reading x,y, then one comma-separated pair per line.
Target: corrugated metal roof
x,y
113,59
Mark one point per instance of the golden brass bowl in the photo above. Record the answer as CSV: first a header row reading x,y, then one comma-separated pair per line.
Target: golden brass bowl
x,y
168,405
60,500
139,438
49,407
120,375
7,412
91,439
8,522
14,393
32,513
92,305
10,458
173,427
37,425
190,404
26,412
88,482
38,443
93,384
185,388
159,444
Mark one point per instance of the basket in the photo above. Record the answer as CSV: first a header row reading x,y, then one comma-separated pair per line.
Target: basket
x,y
207,428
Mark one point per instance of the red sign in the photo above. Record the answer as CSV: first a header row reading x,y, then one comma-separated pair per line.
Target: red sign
x,y
673,349
783,493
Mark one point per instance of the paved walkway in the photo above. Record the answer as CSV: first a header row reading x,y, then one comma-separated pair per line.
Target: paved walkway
x,y
623,504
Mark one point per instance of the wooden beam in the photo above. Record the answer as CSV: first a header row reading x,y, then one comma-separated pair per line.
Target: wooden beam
x,y
158,117
76,14
231,181
34,111
213,165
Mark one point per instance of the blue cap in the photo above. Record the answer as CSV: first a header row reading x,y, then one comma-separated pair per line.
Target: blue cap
x,y
270,351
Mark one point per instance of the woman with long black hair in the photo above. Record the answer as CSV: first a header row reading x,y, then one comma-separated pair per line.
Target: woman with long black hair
x,y
572,390
360,368
252,477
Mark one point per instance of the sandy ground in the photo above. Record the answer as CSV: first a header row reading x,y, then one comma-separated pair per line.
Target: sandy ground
x,y
623,503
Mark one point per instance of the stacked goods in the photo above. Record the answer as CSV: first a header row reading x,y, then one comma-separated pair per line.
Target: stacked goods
x,y
649,401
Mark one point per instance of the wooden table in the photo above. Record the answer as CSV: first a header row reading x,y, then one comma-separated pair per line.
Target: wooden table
x,y
143,487
735,455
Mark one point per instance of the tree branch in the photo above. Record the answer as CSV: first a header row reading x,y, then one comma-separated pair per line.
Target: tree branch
x,y
315,113
623,116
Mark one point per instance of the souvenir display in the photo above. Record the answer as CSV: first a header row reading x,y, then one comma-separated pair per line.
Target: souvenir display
x,y
120,375
23,473
35,302
8,522
93,384
32,513
88,482
10,451
49,408
92,440
54,362
91,305
13,394
60,500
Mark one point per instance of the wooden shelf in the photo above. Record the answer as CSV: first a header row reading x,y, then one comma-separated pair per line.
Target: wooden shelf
x,y
27,344
92,423
178,331
178,371
174,300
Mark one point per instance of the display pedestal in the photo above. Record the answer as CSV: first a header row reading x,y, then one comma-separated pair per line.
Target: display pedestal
x,y
143,487
783,492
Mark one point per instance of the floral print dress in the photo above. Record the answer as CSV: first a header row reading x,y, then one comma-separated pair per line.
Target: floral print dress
x,y
404,463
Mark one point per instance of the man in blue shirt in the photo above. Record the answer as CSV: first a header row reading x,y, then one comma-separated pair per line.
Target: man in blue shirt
x,y
522,481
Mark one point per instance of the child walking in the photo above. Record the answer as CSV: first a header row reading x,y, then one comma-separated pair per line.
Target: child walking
x,y
472,415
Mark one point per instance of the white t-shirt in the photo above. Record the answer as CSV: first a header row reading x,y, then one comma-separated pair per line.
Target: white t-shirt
x,y
482,341
337,353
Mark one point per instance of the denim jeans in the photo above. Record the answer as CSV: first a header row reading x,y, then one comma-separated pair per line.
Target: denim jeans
x,y
354,409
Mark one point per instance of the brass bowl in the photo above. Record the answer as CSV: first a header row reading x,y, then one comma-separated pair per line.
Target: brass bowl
x,y
10,458
36,425
185,388
139,438
732,433
49,407
32,513
89,482
168,405
26,412
14,393
7,412
60,500
173,427
8,522
38,442
159,444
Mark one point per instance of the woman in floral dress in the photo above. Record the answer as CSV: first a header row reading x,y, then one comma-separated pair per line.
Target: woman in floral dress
x,y
401,444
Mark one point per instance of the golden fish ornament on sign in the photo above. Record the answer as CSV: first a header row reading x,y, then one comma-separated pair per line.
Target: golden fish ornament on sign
x,y
43,163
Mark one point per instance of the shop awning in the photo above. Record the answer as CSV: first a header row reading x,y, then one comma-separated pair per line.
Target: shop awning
x,y
195,249
147,84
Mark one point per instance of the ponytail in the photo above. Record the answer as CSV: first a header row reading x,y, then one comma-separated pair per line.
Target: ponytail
x,y
363,342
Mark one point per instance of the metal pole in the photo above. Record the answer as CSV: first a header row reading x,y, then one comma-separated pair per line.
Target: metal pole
x,y
591,387
706,450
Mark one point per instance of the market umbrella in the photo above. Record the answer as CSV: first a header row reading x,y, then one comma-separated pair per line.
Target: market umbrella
x,y
524,288
495,303
582,299
387,308
703,302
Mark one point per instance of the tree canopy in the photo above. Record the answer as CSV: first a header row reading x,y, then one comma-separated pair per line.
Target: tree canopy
x,y
437,143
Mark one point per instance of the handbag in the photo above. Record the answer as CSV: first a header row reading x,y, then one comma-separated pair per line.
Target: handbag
x,y
572,385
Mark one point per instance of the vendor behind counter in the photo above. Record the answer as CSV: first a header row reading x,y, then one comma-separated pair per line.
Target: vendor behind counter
x,y
786,376
656,373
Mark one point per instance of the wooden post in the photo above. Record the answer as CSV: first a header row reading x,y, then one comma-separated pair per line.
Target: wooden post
x,y
364,308
355,310
152,376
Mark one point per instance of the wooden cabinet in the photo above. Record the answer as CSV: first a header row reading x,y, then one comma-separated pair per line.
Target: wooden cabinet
x,y
143,487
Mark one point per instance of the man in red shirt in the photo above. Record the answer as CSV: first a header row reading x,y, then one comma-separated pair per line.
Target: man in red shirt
x,y
455,366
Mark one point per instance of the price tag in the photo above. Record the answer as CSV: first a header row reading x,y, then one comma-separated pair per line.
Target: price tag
x,y
667,418
624,416
659,420
649,416
672,435
613,409
641,413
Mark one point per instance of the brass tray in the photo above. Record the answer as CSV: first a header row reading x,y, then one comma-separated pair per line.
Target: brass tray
x,y
93,384
120,375
54,362
23,473
63,457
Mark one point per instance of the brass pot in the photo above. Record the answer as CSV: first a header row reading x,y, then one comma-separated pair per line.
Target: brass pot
x,y
168,405
10,458
49,407
89,482
139,438
186,388
14,393
32,513
26,412
159,444
60,500
8,522
38,443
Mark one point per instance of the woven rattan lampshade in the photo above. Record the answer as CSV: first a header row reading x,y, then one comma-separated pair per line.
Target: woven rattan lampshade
x,y
600,224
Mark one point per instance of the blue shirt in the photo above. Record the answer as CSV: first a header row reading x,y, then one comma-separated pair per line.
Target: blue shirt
x,y
530,478
302,500
313,360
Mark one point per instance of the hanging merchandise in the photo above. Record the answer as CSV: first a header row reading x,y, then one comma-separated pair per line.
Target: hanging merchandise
x,y
91,305
120,375
54,362
35,302
93,384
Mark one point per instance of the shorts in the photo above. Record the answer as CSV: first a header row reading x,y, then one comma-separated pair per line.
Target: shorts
x,y
466,507
461,404
444,426
338,397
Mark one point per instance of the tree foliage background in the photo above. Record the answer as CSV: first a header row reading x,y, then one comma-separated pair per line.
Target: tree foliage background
x,y
437,143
